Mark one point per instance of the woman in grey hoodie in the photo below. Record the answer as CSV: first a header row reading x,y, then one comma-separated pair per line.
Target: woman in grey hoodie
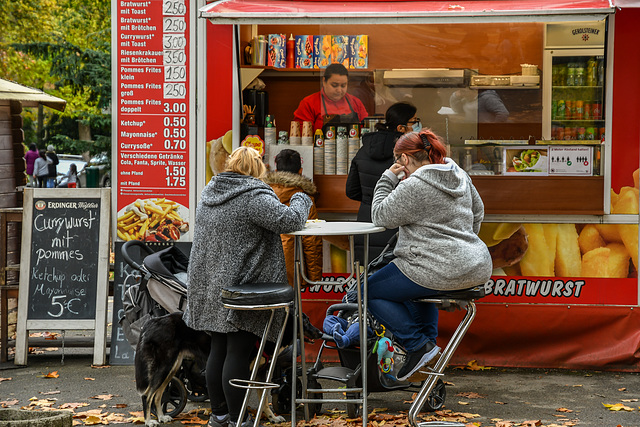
x,y
438,212
236,241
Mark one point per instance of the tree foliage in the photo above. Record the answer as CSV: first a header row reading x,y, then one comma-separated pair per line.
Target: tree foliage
x,y
62,47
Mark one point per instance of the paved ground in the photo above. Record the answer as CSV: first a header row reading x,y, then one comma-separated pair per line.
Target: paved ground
x,y
515,395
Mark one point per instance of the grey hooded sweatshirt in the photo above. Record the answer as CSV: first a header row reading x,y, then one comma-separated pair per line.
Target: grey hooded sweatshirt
x,y
438,211
236,241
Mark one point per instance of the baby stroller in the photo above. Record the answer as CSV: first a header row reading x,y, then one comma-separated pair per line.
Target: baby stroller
x,y
349,371
163,290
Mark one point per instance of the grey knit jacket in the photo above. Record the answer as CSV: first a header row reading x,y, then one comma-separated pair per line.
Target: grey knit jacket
x,y
439,212
236,241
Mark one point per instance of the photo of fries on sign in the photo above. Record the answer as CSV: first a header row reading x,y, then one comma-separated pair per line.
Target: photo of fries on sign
x,y
568,250
527,160
153,220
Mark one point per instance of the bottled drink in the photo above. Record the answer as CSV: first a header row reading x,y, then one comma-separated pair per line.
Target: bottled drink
x,y
562,74
571,74
579,74
592,72
555,75
601,72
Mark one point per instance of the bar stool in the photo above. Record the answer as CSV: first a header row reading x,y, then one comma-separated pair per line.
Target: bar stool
x,y
448,301
259,296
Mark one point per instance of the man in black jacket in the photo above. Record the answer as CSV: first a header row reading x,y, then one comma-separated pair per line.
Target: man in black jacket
x,y
53,166
373,158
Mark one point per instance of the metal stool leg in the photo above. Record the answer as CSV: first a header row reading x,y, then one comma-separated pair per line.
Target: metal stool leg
x,y
441,364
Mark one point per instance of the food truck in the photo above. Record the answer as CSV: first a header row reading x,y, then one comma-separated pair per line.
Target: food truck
x,y
536,100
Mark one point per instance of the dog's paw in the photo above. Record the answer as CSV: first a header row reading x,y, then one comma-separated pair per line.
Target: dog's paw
x,y
165,419
276,419
151,423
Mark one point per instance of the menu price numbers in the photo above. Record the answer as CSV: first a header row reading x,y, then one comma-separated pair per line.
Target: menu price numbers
x,y
176,181
61,303
174,57
172,24
173,41
175,73
175,121
175,133
174,7
175,170
175,107
175,144
175,90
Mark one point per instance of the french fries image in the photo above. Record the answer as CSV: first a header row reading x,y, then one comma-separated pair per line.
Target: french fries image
x,y
537,261
151,220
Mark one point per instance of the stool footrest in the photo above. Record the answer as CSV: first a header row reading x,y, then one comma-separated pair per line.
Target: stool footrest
x,y
253,385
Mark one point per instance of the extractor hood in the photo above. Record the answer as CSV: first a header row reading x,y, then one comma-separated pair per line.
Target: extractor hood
x,y
426,77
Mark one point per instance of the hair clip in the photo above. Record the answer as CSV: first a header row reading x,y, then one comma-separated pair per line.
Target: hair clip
x,y
425,141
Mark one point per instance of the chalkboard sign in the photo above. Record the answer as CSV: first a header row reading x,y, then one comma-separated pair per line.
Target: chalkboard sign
x,y
64,264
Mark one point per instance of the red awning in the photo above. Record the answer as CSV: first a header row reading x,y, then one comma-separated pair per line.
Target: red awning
x,y
371,12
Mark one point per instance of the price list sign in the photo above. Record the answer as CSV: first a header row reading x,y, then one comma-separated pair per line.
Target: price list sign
x,y
154,125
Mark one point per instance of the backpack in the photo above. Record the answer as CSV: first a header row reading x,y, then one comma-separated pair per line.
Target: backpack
x,y
137,308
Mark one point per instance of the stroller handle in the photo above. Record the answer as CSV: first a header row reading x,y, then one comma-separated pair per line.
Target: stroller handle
x,y
127,247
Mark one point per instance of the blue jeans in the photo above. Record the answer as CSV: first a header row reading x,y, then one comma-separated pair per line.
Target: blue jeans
x,y
390,295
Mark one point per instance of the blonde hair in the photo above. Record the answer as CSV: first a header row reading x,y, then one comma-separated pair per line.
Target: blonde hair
x,y
245,161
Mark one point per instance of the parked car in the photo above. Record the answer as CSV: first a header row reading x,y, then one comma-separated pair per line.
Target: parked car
x,y
103,164
63,167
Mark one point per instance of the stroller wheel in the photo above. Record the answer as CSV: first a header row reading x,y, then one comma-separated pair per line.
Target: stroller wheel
x,y
353,409
435,401
174,398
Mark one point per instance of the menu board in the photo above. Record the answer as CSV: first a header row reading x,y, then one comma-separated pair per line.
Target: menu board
x,y
154,125
64,264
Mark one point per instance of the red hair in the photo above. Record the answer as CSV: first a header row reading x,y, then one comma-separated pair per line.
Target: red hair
x,y
422,145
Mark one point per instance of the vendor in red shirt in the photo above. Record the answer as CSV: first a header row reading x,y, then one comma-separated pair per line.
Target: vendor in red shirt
x,y
332,105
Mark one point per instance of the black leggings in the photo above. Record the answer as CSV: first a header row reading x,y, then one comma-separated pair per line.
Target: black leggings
x,y
230,358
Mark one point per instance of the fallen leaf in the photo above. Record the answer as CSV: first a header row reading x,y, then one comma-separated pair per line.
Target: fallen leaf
x,y
629,400
577,385
50,392
53,374
120,405
42,402
100,366
89,379
72,405
463,403
6,403
531,423
618,407
92,420
499,403
5,379
622,389
564,410
102,397
470,395
473,366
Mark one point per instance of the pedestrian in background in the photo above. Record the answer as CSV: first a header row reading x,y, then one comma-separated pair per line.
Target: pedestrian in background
x,y
53,166
41,168
29,159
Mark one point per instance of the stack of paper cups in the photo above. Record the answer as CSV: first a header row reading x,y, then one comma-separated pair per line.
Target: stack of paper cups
x,y
330,153
318,154
353,142
342,152
307,133
294,133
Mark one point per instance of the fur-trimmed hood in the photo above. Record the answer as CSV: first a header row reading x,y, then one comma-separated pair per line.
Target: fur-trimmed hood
x,y
288,179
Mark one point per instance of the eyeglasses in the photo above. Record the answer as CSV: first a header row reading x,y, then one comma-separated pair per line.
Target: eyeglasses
x,y
413,122
396,157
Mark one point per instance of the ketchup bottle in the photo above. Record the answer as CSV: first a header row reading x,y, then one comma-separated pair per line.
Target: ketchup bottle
x,y
291,47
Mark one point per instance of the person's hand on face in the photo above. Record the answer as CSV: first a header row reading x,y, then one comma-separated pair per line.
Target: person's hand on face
x,y
398,168
336,87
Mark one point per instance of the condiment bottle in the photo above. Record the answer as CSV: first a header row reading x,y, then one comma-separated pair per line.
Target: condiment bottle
x,y
291,47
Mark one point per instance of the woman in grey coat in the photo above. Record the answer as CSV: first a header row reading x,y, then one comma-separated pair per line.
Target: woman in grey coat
x,y
438,212
236,241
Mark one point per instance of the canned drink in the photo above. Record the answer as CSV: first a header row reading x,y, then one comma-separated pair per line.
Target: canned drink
x,y
569,110
574,133
567,133
581,133
579,110
590,133
554,109
560,133
561,109
596,110
601,133
587,111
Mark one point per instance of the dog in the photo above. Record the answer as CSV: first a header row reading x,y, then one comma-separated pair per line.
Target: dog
x,y
165,341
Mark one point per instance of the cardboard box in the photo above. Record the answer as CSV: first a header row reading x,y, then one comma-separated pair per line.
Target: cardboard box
x,y
572,161
359,51
340,50
277,51
526,160
304,52
321,51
